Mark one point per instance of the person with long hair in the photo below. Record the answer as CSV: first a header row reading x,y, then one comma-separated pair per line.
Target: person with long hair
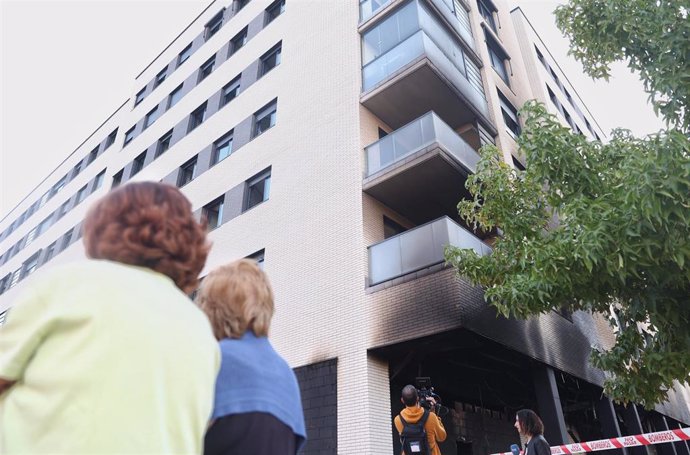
x,y
108,355
530,426
257,408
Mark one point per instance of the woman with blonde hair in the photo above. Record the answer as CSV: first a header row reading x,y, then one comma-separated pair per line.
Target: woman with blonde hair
x,y
257,409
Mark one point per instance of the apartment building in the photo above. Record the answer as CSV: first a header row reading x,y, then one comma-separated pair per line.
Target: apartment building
x,y
331,141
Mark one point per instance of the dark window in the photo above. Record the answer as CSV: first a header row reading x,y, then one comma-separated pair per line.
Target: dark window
x,y
77,169
391,228
184,55
207,68
540,56
187,172
197,117
488,14
140,96
117,178
258,189
93,154
50,251
213,213
99,180
138,164
175,96
239,4
66,239
238,41
382,133
259,257
270,60
222,148
554,99
15,278
214,25
111,139
569,119
163,143
81,194
264,119
518,164
31,264
129,135
56,188
274,10
151,117
510,117
160,77
498,59
230,91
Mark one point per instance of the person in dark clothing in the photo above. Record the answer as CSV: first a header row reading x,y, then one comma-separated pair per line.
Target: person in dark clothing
x,y
529,425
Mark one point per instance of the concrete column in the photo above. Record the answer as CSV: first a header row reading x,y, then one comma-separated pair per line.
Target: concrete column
x,y
634,426
609,424
549,403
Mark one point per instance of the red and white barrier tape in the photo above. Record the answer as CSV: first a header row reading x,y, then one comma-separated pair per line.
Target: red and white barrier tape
x,y
659,437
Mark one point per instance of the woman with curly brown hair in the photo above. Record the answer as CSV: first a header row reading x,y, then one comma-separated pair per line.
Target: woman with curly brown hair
x,y
108,355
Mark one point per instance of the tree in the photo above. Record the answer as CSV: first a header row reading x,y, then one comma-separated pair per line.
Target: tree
x,y
600,227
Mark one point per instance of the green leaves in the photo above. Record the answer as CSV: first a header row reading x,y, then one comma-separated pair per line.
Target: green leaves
x,y
585,226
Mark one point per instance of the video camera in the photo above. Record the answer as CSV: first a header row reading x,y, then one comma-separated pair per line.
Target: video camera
x,y
424,391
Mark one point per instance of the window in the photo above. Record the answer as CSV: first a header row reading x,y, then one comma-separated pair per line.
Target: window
x,y
66,239
62,210
31,264
187,172
518,164
30,236
81,194
58,186
160,77
270,60
569,119
213,213
230,91
15,278
151,117
488,14
197,117
239,4
99,180
510,117
140,96
184,55
259,257
77,169
391,228
129,135
264,119
110,139
222,148
47,222
258,189
238,41
175,96
540,56
274,10
214,25
3,315
117,178
207,68
498,59
163,143
93,154
138,164
50,251
554,99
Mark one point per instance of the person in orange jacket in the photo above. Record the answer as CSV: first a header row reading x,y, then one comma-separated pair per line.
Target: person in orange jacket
x,y
413,412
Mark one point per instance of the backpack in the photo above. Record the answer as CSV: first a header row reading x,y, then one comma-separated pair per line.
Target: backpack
x,y
413,436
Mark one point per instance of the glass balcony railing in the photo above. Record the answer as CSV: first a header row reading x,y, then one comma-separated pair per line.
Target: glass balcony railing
x,y
419,248
415,136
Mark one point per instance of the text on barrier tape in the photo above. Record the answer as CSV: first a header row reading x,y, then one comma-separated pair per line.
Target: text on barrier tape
x,y
659,437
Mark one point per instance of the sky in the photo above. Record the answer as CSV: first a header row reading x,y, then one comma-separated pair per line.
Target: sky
x,y
66,66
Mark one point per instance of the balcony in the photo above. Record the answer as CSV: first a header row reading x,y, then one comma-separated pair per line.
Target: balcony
x,y
418,249
419,170
416,77
412,64
454,15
